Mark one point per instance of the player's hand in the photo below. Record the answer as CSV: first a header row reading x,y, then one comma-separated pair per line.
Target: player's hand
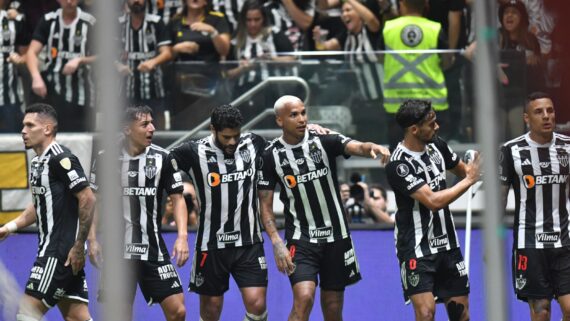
x,y
76,258
123,69
4,233
15,59
95,253
381,151
146,66
319,129
473,169
283,258
180,251
71,66
12,14
39,87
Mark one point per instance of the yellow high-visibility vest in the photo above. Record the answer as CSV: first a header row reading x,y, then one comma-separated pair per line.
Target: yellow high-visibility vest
x,y
411,75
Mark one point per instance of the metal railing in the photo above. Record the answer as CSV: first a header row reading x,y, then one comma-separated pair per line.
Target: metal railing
x,y
244,97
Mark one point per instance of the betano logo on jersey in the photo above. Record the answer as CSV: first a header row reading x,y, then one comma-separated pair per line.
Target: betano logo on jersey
x,y
291,181
215,179
530,181
139,191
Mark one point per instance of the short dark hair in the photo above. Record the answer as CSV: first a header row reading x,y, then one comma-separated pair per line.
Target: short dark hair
x,y
412,112
44,110
226,116
416,5
132,113
534,96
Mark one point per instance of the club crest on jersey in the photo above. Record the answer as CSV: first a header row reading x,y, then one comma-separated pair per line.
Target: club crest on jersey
x,y
563,159
245,155
150,168
315,153
199,280
65,163
434,158
77,38
402,170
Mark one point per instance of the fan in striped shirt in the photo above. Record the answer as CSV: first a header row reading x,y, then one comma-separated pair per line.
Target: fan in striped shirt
x,y
536,166
66,82
431,264
62,207
319,245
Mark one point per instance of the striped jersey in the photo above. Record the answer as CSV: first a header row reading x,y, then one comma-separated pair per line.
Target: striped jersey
x,y
139,45
12,35
364,62
306,173
166,9
63,43
419,231
144,179
226,189
281,21
55,176
538,174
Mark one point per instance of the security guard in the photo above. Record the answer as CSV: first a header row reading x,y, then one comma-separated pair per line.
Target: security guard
x,y
411,75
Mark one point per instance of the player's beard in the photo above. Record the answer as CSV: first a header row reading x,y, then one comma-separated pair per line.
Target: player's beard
x,y
137,8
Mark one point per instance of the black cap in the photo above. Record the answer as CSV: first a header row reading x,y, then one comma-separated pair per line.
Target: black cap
x,y
519,6
412,112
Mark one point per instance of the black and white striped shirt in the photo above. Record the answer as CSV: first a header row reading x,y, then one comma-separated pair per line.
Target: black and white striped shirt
x,y
63,43
55,176
306,173
281,21
139,46
166,9
12,35
360,54
538,174
419,231
144,179
226,188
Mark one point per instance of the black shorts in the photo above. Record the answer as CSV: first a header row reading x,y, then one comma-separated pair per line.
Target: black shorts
x,y
335,263
211,269
541,273
444,274
51,281
157,280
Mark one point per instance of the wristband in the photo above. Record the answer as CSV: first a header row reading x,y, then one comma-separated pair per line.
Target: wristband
x,y
11,227
214,34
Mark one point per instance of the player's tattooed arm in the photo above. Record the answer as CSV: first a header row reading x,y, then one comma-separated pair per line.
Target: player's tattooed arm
x,y
280,252
86,205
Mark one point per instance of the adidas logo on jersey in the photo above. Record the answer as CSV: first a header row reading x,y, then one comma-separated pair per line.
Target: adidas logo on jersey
x,y
30,286
352,273
285,162
175,285
212,159
527,162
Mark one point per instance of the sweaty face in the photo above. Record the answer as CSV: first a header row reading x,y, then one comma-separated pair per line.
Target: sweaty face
x,y
140,131
136,6
254,21
428,128
293,119
227,140
540,116
33,130
511,19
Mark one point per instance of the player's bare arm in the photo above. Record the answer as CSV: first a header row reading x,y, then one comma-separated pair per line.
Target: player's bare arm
x,y
94,250
504,195
28,217
368,149
86,205
280,252
180,251
438,200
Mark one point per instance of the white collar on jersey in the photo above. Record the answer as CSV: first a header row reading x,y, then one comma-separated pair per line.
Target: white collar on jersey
x,y
411,152
535,144
299,144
